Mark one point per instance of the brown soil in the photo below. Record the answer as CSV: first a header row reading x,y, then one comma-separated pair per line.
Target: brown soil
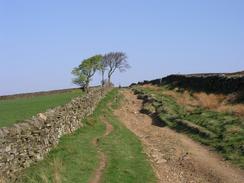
x,y
175,157
96,178
97,175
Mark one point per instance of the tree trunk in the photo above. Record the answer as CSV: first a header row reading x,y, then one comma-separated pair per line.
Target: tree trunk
x,y
87,87
109,80
103,82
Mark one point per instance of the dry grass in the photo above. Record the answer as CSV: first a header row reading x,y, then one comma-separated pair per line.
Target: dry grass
x,y
233,130
2,180
209,101
236,109
216,102
57,165
44,177
150,86
183,98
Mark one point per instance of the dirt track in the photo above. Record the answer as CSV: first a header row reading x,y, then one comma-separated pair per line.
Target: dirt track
x,y
175,157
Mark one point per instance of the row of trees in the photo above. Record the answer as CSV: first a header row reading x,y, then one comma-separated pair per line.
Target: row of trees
x,y
107,63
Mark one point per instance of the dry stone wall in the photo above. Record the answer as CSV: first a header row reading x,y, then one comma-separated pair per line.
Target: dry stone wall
x,y
212,83
28,142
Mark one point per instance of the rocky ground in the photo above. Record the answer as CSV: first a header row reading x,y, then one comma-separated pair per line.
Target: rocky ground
x,y
175,157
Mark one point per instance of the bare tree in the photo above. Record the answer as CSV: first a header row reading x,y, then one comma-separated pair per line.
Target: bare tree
x,y
114,61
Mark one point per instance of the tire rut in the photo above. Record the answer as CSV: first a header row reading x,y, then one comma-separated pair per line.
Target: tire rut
x,y
97,175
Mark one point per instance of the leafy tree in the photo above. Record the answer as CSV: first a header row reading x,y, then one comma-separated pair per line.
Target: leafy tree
x,y
86,70
114,61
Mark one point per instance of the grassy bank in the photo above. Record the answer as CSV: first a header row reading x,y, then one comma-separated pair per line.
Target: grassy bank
x,y
222,131
16,110
75,158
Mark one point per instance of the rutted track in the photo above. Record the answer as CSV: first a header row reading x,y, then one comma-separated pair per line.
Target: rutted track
x,y
94,154
175,157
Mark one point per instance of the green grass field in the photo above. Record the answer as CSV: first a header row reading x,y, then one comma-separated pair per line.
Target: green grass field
x,y
222,131
15,110
75,158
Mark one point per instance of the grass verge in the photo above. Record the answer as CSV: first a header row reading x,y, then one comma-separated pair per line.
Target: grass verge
x,y
75,158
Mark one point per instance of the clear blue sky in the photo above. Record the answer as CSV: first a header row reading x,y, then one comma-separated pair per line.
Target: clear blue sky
x,y
41,41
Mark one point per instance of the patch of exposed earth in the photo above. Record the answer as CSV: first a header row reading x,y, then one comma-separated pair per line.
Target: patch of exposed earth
x,y
175,157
